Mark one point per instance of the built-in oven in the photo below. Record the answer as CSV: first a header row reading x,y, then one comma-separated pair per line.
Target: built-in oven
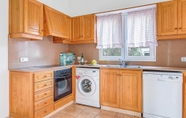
x,y
62,83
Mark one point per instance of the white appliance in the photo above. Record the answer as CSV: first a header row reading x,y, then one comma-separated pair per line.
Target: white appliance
x,y
162,94
87,86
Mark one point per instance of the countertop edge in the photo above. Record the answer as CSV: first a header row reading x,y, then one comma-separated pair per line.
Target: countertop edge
x,y
143,68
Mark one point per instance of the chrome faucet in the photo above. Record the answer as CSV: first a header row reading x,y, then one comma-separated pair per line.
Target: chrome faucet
x,y
123,63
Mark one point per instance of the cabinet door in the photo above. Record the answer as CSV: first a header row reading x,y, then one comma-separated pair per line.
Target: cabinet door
x,y
21,95
57,24
66,28
88,27
109,88
167,18
181,16
76,29
33,22
131,90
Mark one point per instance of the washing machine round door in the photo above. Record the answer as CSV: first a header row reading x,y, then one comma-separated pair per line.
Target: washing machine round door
x,y
86,86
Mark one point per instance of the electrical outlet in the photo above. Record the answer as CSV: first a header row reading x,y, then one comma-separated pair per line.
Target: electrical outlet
x,y
23,59
183,59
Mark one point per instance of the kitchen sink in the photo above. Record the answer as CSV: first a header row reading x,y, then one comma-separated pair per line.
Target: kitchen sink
x,y
132,66
120,66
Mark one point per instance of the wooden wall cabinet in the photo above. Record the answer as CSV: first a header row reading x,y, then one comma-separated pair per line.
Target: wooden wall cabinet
x,y
26,19
31,94
171,17
57,24
121,89
83,29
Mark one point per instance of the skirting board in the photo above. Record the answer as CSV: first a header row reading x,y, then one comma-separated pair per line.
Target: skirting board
x,y
121,111
61,108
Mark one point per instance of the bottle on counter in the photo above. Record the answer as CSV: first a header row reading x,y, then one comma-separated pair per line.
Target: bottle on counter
x,y
82,59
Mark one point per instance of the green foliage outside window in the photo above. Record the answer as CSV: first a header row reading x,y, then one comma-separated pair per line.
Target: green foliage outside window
x,y
112,52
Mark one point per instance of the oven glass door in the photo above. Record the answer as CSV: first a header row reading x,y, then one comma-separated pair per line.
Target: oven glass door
x,y
62,87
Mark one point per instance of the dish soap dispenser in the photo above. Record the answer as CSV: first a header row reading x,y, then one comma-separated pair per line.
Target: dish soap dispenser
x,y
82,59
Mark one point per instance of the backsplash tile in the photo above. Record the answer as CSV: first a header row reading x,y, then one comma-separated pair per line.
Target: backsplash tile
x,y
39,52
168,53
44,52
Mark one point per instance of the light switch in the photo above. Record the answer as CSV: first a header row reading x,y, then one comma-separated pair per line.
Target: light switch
x,y
23,59
183,59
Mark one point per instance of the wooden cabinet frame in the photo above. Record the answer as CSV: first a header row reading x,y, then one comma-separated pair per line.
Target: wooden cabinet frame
x,y
25,19
122,89
171,18
83,30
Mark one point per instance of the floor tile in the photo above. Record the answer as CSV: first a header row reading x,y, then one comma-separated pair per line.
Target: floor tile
x,y
64,116
82,111
93,110
79,106
86,114
104,116
53,116
73,111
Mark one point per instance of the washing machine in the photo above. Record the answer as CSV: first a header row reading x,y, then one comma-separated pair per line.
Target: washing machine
x,y
87,86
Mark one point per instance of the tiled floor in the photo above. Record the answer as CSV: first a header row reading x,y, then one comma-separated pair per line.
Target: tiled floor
x,y
80,111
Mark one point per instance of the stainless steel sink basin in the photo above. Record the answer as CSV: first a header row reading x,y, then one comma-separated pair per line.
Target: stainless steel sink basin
x,y
133,66
114,66
120,66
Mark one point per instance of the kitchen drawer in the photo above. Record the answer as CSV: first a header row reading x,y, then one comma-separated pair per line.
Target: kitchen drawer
x,y
44,111
43,94
40,76
43,103
43,85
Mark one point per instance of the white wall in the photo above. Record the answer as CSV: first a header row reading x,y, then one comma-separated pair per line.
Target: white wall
x,y
81,7
60,5
4,81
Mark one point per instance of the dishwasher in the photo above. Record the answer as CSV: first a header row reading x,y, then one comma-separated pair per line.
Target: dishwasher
x,y
162,94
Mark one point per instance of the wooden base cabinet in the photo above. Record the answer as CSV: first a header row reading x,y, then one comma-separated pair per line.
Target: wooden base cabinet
x,y
26,19
171,18
21,95
109,88
131,90
31,94
122,89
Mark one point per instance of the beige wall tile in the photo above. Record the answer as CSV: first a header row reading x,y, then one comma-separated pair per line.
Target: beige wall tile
x,y
168,53
39,52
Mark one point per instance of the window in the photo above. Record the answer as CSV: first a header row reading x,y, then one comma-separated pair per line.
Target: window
x,y
138,35
111,54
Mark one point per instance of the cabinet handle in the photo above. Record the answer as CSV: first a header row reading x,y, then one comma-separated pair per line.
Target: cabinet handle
x,y
44,76
44,85
180,28
44,94
176,28
45,111
45,102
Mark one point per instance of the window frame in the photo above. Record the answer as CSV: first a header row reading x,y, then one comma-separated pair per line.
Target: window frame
x,y
110,58
152,49
124,51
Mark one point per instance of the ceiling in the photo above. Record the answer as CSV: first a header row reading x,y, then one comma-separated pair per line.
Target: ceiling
x,y
82,7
